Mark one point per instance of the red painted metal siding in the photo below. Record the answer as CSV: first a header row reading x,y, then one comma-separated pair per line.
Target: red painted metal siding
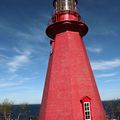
x,y
69,79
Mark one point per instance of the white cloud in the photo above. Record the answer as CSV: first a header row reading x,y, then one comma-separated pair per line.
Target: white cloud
x,y
106,75
3,56
101,30
13,63
22,51
18,50
8,85
35,35
108,81
3,60
95,50
106,65
12,77
17,62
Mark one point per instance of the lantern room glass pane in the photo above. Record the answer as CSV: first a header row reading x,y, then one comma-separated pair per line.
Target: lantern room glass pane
x,y
62,5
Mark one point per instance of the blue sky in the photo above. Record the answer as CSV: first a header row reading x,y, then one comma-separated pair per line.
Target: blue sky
x,y
24,47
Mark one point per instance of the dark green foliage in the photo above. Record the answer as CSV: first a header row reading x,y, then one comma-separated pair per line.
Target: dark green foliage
x,y
6,109
32,118
30,112
112,108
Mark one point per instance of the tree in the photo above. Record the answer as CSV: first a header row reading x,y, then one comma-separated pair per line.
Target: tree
x,y
22,110
32,118
6,110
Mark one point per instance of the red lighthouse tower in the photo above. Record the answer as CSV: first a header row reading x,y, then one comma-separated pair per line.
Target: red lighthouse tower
x,y
70,91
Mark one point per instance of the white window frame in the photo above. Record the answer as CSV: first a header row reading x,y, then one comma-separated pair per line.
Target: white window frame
x,y
88,111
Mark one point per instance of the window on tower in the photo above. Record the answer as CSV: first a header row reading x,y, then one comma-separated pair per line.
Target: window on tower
x,y
52,46
87,111
86,105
